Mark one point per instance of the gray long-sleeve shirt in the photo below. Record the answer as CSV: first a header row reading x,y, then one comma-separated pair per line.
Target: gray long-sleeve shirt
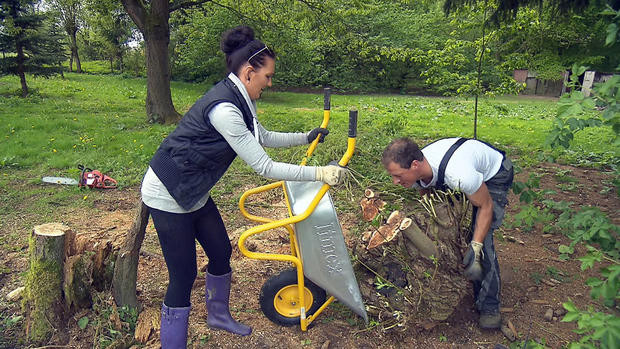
x,y
227,119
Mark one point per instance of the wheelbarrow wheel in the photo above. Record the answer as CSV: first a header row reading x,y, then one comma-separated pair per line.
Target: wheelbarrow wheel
x,y
279,298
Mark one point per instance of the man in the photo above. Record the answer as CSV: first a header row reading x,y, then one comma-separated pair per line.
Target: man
x,y
484,175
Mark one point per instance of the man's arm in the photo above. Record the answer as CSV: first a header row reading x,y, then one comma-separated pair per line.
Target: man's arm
x,y
482,200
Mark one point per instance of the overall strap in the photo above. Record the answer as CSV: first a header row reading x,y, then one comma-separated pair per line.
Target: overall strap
x,y
444,162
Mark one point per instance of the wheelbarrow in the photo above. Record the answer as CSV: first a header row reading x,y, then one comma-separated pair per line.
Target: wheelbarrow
x,y
318,252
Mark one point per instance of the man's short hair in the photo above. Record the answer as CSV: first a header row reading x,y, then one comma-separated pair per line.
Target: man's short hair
x,y
402,151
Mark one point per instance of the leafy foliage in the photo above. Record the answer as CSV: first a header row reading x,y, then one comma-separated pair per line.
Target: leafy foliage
x,y
608,287
591,226
595,327
574,104
397,46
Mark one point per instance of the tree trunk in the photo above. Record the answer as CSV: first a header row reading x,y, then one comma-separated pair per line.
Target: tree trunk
x,y
126,267
410,273
21,59
153,23
159,106
74,53
44,296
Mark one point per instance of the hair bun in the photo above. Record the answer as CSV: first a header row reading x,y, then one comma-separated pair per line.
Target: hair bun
x,y
236,38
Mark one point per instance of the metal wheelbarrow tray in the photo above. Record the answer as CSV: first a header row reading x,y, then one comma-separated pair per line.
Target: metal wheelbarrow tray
x,y
322,247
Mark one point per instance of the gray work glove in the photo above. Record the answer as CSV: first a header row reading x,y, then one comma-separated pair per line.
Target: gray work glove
x,y
331,174
317,131
471,260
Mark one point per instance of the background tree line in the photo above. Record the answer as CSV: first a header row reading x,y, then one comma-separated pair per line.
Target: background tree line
x,y
442,47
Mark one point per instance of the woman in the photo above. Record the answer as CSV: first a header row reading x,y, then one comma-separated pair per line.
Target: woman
x,y
218,127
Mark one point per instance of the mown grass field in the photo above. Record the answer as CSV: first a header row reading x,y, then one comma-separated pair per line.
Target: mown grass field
x,y
99,121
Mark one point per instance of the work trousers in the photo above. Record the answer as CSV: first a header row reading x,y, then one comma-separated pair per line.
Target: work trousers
x,y
487,290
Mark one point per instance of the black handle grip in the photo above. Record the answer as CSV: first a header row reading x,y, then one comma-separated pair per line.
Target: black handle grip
x,y
327,93
352,123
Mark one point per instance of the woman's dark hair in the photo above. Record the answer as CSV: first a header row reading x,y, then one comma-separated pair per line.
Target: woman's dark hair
x,y
402,151
240,46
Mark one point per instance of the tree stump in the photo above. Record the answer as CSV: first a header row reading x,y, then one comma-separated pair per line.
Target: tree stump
x,y
409,266
65,269
44,295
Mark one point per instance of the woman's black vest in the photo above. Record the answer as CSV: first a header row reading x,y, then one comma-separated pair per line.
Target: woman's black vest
x,y
195,156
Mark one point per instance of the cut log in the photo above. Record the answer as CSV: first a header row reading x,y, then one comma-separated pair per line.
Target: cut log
x,y
126,267
386,232
406,223
369,211
371,206
45,309
418,238
394,219
414,260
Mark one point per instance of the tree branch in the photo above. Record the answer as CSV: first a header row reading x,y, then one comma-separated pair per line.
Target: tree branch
x,y
237,13
180,4
136,11
313,5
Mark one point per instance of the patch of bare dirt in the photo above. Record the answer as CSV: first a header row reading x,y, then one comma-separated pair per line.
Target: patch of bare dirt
x,y
526,259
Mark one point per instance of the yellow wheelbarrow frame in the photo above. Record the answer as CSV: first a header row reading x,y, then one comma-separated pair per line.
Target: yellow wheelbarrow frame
x,y
287,223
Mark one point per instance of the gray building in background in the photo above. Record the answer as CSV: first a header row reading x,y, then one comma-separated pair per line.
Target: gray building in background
x,y
555,88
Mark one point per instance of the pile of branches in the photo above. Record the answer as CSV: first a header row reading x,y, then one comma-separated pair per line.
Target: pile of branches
x,y
409,263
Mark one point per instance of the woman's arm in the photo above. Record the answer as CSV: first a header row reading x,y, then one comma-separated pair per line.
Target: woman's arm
x,y
227,119
281,139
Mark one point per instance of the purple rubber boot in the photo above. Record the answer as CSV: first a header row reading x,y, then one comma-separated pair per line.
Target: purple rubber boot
x,y
173,333
218,314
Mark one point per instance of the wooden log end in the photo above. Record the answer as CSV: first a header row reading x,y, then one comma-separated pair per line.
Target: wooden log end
x,y
405,223
395,218
51,229
369,211
385,233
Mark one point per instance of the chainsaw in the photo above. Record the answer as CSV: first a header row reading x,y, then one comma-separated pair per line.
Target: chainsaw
x,y
88,178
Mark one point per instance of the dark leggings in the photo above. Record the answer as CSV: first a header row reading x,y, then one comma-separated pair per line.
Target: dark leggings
x,y
177,233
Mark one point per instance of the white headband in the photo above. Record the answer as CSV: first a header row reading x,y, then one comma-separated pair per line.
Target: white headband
x,y
257,52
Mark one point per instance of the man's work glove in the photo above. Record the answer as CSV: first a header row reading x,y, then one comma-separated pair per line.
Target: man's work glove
x,y
473,255
317,131
331,174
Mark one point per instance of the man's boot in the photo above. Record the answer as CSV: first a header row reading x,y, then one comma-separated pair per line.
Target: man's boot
x,y
218,313
173,332
490,320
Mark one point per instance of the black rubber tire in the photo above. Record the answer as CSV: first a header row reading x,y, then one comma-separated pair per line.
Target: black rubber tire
x,y
276,283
